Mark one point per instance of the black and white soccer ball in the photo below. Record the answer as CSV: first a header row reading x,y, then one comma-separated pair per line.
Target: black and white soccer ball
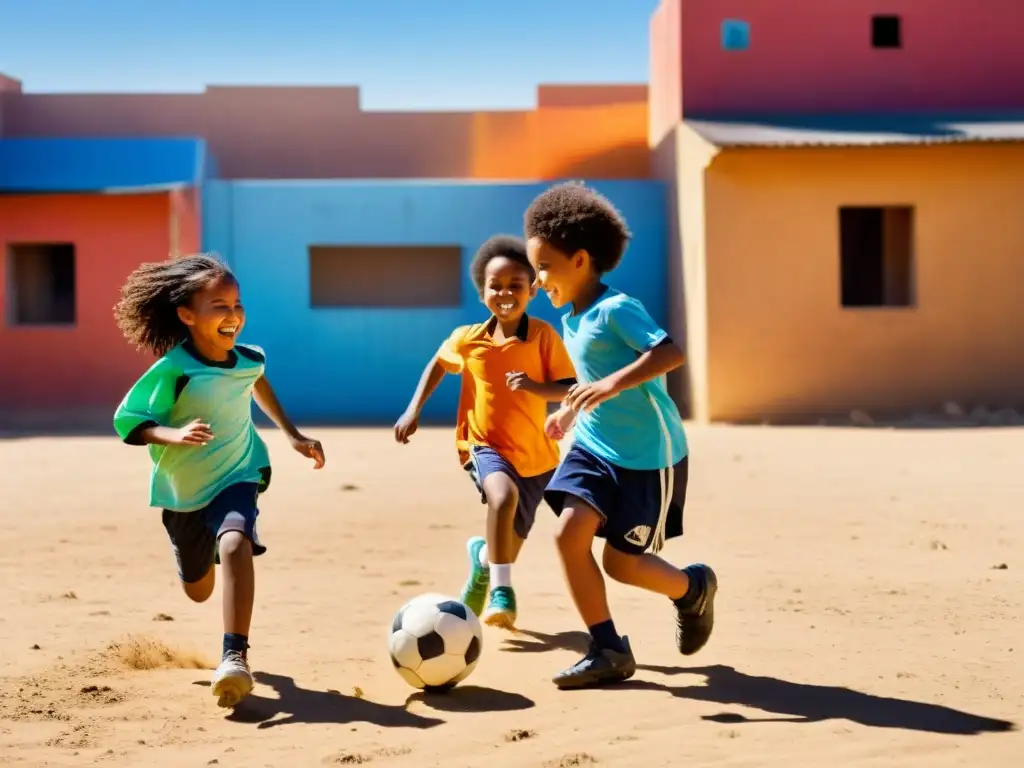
x,y
435,642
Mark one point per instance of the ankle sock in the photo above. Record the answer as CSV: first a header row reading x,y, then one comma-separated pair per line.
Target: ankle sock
x,y
605,636
501,575
233,642
482,557
694,590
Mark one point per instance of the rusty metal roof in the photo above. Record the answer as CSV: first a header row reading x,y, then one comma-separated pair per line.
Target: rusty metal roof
x,y
858,130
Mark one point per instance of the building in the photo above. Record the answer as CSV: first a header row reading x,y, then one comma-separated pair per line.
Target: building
x,y
351,231
845,182
76,216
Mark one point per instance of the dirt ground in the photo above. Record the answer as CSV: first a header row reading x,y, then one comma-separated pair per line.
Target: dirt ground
x,y
869,613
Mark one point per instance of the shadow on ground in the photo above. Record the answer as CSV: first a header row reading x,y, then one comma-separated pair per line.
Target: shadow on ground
x,y
302,705
791,702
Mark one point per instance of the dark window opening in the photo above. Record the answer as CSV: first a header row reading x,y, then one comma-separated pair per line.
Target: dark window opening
x,y
362,276
41,284
876,256
886,32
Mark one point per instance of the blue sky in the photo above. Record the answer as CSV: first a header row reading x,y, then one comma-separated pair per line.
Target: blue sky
x,y
404,54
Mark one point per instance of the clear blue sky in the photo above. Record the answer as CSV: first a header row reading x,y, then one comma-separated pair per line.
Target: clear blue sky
x,y
404,54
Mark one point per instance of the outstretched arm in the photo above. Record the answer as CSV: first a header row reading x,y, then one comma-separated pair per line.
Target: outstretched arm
x,y
429,380
267,400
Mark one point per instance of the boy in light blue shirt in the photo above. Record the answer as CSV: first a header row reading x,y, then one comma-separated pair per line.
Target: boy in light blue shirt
x,y
625,477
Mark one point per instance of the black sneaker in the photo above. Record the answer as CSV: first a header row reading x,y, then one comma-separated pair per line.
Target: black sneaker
x,y
695,622
600,666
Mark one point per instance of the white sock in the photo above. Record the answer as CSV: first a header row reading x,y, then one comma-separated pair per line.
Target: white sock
x,y
501,575
482,557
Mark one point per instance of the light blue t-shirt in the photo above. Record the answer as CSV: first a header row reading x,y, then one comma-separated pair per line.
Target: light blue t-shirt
x,y
182,386
624,431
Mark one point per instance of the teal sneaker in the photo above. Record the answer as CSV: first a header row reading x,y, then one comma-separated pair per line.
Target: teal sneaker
x,y
474,591
501,608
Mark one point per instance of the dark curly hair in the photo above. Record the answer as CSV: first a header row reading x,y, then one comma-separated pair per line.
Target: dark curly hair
x,y
507,246
573,217
147,313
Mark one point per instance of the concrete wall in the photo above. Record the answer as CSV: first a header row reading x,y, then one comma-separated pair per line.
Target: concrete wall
x,y
780,344
50,370
815,56
322,133
362,364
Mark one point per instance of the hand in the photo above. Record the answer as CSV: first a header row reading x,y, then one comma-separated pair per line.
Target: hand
x,y
196,432
406,426
309,448
558,423
586,397
517,380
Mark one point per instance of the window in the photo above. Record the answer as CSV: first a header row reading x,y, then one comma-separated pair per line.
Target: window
x,y
886,32
876,256
385,276
735,35
41,284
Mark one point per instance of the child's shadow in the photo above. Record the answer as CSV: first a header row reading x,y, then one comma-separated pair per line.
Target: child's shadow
x,y
797,702
302,705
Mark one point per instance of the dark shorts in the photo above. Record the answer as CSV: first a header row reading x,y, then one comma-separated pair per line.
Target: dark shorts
x,y
194,535
486,461
628,499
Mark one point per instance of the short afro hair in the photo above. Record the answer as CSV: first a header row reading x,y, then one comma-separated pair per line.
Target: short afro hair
x,y
500,246
573,217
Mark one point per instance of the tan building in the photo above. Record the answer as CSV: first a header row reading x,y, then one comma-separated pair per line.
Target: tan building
x,y
841,263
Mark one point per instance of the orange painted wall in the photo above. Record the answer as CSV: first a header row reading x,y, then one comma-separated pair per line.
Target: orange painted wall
x,y
598,131
112,235
781,346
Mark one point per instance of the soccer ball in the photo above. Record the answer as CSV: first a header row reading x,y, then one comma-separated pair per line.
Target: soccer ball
x,y
435,642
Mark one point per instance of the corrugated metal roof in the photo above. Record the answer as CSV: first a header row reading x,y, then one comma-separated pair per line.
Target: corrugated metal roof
x,y
100,165
857,130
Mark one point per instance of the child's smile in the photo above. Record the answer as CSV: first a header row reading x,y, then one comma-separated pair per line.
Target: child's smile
x,y
507,289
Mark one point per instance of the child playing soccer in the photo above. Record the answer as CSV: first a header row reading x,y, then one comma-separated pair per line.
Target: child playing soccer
x,y
193,409
512,365
627,430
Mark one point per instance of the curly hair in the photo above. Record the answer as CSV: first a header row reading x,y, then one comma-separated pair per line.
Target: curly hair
x,y
507,246
147,312
573,217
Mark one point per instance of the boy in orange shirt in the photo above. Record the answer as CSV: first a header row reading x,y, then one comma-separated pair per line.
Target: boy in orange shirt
x,y
512,366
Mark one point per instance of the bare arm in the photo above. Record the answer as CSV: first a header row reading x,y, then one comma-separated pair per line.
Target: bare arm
x,y
265,398
429,380
552,391
650,365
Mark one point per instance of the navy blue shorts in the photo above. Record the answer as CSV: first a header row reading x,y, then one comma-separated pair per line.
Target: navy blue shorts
x,y
194,535
628,499
485,461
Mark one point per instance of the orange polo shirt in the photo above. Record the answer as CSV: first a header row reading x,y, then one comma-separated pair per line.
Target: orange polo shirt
x,y
492,415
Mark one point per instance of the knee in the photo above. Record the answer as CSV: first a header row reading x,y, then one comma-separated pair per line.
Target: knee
x,y
619,565
575,533
200,591
234,546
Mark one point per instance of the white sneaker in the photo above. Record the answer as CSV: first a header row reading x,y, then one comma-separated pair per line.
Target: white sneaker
x,y
232,681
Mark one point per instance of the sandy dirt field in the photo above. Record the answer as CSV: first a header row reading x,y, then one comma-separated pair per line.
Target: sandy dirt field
x,y
870,613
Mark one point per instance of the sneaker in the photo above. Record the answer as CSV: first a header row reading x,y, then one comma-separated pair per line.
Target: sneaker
x,y
232,681
474,591
695,622
600,666
501,608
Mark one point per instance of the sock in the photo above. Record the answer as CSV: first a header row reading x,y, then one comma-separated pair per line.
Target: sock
x,y
234,642
483,557
605,636
695,589
501,575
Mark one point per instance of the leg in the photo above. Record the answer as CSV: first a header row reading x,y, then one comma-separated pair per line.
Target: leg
x,y
692,589
503,545
609,658
194,549
234,514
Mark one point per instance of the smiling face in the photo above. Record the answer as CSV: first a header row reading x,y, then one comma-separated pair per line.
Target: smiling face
x,y
507,288
561,276
215,317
